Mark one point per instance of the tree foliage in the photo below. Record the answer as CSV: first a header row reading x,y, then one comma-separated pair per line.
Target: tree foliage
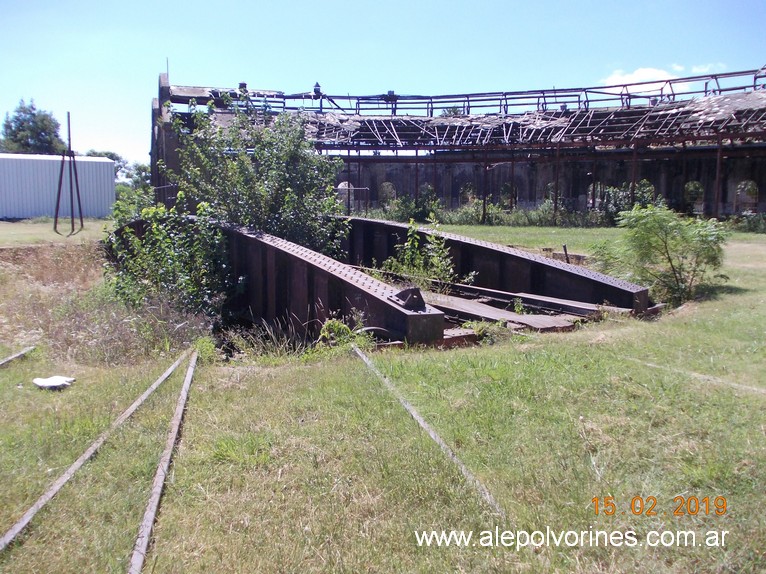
x,y
254,171
30,130
133,194
120,163
619,199
670,253
172,259
261,172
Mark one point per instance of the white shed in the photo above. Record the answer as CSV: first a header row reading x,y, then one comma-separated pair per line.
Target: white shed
x,y
29,185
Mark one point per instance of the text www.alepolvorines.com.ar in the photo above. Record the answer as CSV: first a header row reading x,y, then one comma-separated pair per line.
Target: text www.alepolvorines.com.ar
x,y
518,539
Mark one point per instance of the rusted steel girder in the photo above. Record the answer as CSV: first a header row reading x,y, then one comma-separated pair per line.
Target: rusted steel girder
x,y
502,268
284,281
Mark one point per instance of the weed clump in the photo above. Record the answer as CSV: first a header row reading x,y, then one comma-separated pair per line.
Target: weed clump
x,y
424,262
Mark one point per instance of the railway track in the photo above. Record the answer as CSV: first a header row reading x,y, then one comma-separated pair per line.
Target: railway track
x,y
141,548
145,529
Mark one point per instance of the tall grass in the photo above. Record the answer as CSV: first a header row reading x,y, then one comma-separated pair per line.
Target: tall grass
x,y
56,295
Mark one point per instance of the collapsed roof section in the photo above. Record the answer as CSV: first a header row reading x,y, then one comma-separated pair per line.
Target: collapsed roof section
x,y
739,116
693,110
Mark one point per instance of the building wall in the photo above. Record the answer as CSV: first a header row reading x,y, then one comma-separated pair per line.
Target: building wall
x,y
29,186
535,179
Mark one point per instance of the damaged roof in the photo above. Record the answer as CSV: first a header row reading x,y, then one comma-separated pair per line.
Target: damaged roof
x,y
693,110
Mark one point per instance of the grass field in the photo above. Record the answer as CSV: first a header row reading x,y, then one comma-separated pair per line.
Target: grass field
x,y
298,465
577,240
37,231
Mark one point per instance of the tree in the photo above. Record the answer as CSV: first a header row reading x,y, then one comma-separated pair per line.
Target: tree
x,y
120,163
139,175
30,130
671,253
452,112
260,171
254,171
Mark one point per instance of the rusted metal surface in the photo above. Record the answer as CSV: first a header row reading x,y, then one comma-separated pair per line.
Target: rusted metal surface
x,y
626,96
286,282
74,184
476,310
692,109
540,303
502,268
741,115
283,283
717,120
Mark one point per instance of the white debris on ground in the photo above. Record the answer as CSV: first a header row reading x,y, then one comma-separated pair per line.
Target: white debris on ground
x,y
54,383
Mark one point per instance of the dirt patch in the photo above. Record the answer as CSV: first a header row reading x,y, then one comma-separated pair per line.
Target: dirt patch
x,y
77,266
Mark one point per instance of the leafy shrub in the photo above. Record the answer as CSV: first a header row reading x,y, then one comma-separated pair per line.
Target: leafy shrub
x,y
173,258
335,332
423,263
471,214
541,216
749,222
614,200
206,349
671,254
489,332
406,208
619,199
130,202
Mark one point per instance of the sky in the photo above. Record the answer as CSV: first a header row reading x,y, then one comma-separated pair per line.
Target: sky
x,y
101,60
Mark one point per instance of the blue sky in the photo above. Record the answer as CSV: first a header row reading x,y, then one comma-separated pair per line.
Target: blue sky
x,y
101,60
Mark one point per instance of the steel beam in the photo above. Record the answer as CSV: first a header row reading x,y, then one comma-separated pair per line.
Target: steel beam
x,y
508,269
289,283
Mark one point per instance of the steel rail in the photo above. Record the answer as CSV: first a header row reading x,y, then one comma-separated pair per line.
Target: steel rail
x,y
15,356
483,491
158,485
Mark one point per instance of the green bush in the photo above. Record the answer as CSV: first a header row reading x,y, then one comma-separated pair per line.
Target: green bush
x,y
260,171
408,208
173,258
474,212
619,199
423,262
670,253
130,202
749,222
471,214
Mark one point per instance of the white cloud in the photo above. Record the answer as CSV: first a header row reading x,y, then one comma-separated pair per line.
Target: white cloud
x,y
639,75
708,68
656,76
